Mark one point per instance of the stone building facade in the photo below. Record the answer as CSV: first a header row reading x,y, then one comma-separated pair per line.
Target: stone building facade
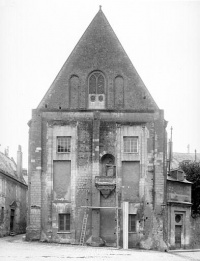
x,y
97,149
13,196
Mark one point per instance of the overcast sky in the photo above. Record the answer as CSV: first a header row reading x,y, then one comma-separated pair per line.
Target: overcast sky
x,y
162,39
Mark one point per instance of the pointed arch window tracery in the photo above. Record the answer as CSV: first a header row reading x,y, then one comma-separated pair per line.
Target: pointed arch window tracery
x,y
96,86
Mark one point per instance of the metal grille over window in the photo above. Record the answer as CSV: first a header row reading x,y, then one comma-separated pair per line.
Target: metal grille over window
x,y
131,144
64,222
63,144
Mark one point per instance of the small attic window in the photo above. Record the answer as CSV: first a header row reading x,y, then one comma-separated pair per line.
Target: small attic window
x,y
96,86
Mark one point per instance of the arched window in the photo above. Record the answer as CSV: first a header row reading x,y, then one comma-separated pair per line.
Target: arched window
x,y
96,86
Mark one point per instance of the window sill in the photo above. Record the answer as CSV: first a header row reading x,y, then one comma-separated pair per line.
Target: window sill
x,y
64,232
63,152
132,232
135,153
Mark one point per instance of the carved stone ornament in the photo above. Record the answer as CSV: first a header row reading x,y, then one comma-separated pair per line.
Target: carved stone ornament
x,y
105,185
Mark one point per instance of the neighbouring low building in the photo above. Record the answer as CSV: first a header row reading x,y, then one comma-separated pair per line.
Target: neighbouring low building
x,y
179,210
183,228
13,195
179,157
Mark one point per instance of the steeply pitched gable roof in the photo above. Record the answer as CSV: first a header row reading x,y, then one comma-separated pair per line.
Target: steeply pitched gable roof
x,y
9,167
99,48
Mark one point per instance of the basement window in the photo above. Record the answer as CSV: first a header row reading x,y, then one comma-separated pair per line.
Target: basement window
x,y
130,144
132,223
64,144
64,222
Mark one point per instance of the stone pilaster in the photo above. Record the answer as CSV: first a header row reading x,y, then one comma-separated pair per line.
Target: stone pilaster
x,y
95,239
34,220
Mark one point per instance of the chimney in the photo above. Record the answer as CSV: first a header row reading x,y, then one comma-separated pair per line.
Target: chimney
x,y
170,151
188,148
19,162
6,151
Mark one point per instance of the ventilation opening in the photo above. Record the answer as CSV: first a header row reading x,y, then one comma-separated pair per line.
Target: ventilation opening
x,y
45,105
60,108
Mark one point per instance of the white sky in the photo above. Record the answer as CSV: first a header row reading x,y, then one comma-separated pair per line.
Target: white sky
x,y
162,39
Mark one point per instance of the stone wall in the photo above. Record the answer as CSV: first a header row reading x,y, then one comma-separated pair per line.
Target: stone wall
x,y
13,196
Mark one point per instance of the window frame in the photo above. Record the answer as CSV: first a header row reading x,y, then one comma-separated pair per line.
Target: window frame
x,y
66,226
68,144
97,94
97,75
128,149
130,220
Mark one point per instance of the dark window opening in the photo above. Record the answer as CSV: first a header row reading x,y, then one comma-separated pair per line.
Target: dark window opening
x,y
132,223
64,222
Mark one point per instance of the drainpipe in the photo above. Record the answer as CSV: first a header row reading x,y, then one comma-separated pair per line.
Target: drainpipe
x,y
154,174
165,212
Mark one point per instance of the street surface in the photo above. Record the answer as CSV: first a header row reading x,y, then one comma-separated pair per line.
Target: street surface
x,y
16,249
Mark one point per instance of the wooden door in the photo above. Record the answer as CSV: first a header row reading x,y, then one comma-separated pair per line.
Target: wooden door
x,y
178,231
12,217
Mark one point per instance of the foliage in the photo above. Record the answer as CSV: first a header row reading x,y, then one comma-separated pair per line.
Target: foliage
x,y
192,171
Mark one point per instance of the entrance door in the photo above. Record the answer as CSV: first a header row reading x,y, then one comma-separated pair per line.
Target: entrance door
x,y
12,217
178,230
108,220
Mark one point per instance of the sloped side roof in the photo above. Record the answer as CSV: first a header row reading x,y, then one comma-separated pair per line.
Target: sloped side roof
x,y
99,48
9,167
179,157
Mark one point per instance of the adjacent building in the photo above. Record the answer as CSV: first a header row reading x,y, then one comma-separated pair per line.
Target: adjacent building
x,y
13,191
97,151
183,229
179,210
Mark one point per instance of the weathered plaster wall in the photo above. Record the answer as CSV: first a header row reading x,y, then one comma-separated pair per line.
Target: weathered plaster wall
x,y
88,149
11,192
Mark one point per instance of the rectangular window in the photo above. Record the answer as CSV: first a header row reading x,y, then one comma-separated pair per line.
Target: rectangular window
x,y
64,222
132,223
130,144
64,144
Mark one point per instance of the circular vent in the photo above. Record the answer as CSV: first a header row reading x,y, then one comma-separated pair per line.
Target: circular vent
x,y
178,218
100,98
92,98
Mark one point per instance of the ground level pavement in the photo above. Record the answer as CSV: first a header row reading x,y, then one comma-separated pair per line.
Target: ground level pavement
x,y
16,249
